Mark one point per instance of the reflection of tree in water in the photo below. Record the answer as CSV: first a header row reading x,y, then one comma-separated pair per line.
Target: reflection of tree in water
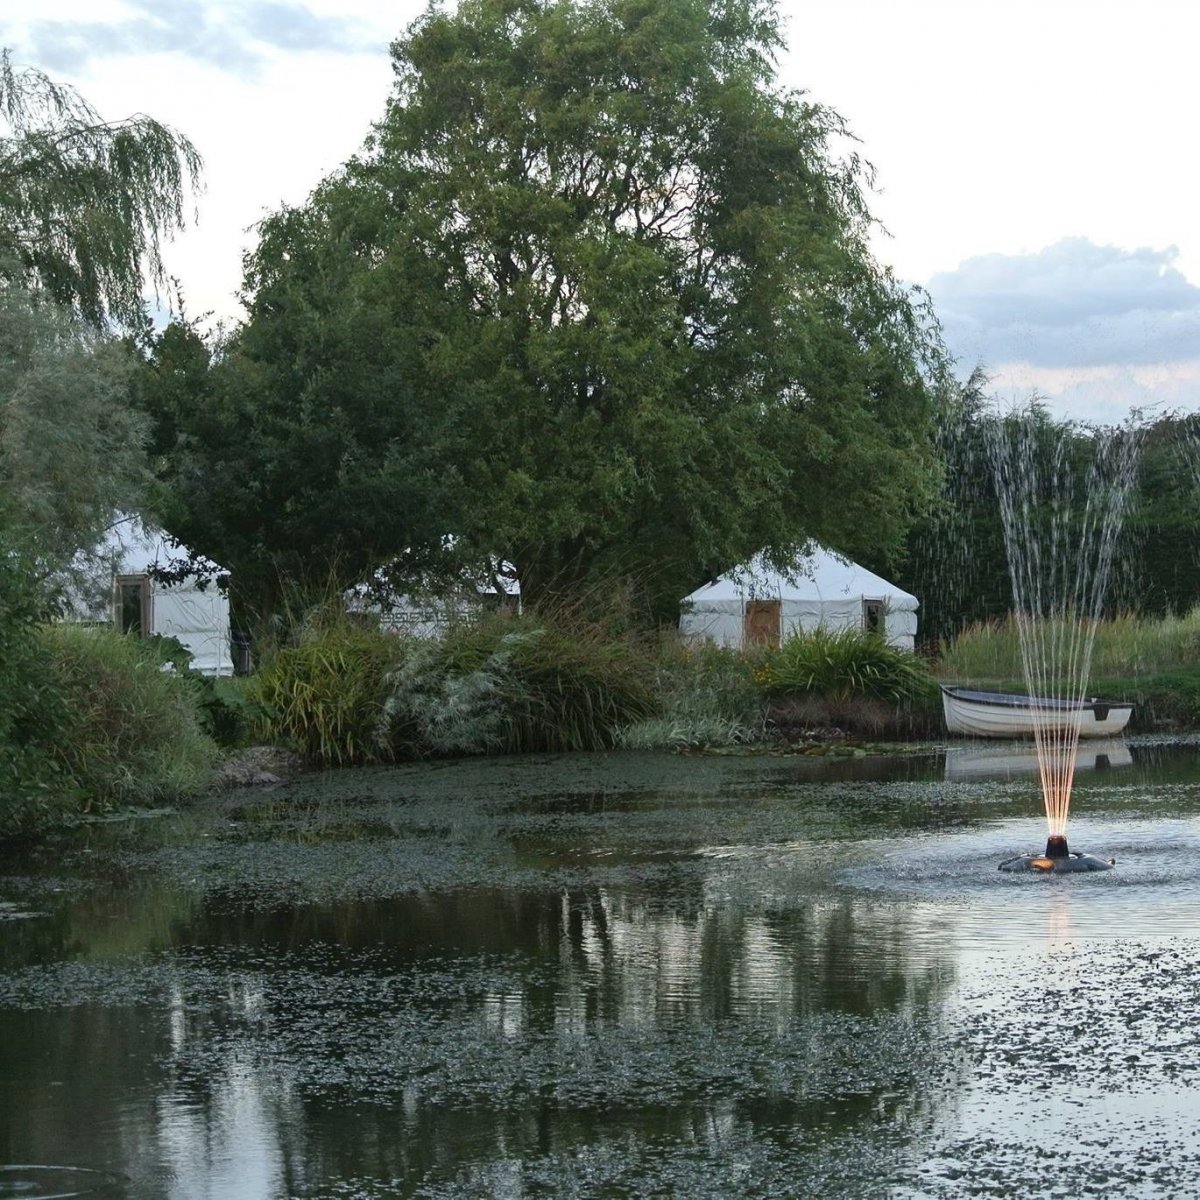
x,y
544,1034
496,1039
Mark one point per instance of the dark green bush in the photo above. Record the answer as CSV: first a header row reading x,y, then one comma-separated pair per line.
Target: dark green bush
x,y
844,663
325,695
133,734
570,689
33,713
228,713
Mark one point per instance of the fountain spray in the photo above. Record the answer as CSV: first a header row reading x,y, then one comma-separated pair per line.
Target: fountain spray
x,y
1060,548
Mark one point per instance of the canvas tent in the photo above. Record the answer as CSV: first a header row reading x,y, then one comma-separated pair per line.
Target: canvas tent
x,y
429,611
758,604
117,582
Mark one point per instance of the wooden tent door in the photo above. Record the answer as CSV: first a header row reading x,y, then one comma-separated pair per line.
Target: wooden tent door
x,y
134,605
762,623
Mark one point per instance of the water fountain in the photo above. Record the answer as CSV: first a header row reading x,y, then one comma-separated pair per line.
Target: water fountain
x,y
1061,523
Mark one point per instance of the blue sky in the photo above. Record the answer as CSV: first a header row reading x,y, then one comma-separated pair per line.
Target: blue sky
x,y
1034,159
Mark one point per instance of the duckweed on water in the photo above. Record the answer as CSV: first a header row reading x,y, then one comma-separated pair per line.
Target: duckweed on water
x,y
628,976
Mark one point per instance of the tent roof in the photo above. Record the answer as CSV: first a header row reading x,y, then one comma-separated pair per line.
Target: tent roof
x,y
140,549
819,576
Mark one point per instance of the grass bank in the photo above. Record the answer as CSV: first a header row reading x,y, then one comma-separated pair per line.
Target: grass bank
x,y
1152,661
1125,647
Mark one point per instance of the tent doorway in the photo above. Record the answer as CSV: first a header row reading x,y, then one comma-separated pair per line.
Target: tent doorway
x,y
762,623
133,604
874,617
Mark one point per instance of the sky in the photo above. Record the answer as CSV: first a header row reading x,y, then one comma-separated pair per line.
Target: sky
x,y
1034,161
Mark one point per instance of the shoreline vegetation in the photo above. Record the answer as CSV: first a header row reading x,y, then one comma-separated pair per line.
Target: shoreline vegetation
x,y
123,724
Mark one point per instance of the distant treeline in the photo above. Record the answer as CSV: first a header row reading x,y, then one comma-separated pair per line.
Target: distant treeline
x,y
957,563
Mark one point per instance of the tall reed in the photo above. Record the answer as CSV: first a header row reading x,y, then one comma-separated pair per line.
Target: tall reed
x,y
325,694
1125,645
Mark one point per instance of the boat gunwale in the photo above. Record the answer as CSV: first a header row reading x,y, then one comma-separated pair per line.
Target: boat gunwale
x,y
1014,700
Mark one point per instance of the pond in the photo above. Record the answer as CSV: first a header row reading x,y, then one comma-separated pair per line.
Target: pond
x,y
620,975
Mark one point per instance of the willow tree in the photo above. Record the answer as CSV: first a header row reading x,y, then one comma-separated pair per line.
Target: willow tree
x,y
622,310
86,203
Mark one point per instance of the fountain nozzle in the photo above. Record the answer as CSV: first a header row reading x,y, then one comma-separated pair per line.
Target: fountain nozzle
x,y
1056,846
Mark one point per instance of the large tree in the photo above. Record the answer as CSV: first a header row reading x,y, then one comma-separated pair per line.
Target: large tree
x,y
605,291
85,203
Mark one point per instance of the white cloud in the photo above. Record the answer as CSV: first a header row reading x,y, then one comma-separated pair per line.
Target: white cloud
x,y
1097,330
233,36
1101,395
1073,304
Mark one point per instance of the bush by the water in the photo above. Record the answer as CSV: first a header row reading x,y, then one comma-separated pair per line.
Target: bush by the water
x,y
325,695
707,695
349,694
842,664
32,709
519,684
132,731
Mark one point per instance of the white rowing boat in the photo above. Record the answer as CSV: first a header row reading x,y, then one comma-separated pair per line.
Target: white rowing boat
x,y
1003,715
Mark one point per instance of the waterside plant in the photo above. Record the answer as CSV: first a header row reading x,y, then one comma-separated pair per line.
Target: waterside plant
x,y
132,731
1126,645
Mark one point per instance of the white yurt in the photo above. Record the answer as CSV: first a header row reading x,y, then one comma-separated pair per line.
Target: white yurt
x,y
430,612
123,589
756,603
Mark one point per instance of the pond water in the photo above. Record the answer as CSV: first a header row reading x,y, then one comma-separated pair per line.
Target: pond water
x,y
614,976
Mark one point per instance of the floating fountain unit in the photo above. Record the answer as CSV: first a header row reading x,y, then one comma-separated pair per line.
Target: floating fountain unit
x,y
1057,857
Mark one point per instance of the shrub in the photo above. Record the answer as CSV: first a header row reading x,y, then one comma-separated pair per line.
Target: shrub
x,y
844,663
517,684
571,688
134,733
707,695
436,705
325,695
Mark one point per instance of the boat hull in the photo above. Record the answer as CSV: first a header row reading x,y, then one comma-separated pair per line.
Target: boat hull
x,y
1001,715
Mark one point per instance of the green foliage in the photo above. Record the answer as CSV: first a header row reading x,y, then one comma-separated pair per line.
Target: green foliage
x,y
228,714
844,663
71,446
707,695
519,684
325,695
134,735
85,203
597,298
33,712
347,694
442,702
1169,699
956,560
1159,568
1125,645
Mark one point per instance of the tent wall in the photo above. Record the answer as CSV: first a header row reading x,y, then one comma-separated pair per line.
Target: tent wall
x,y
195,610
199,620
722,621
